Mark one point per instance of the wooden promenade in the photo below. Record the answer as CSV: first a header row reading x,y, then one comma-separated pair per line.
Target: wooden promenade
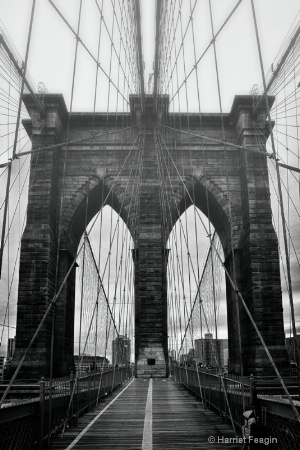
x,y
148,414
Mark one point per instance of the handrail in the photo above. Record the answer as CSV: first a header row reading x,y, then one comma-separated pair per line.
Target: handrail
x,y
275,415
31,417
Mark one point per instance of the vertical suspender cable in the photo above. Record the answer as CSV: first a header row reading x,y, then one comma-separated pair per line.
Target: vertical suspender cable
x,y
290,292
140,54
16,137
228,191
157,44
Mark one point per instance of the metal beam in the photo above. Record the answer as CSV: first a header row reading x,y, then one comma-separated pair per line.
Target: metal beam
x,y
157,45
140,52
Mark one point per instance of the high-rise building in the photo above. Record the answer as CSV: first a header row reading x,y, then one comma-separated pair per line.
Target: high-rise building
x,y
2,366
90,362
207,350
11,344
121,350
291,347
187,358
172,355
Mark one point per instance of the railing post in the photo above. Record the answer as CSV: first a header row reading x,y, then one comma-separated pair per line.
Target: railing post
x,y
89,390
95,376
199,384
179,375
220,393
204,389
41,414
187,378
252,391
224,397
113,378
99,387
77,389
119,376
72,393
209,389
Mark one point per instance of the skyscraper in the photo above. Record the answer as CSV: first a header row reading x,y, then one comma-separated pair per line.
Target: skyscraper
x,y
121,350
208,349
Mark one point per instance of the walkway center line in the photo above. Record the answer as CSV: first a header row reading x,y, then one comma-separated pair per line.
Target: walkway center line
x,y
96,418
147,435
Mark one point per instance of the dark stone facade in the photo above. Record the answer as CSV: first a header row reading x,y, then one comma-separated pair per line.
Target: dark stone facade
x,y
246,217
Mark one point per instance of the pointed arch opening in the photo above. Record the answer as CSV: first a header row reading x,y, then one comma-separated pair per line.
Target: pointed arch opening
x,y
197,307
104,294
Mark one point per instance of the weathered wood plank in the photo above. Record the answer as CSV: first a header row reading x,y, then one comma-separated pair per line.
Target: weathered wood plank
x,y
178,421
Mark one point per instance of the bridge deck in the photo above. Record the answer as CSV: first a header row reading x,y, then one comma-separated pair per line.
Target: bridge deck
x,y
148,414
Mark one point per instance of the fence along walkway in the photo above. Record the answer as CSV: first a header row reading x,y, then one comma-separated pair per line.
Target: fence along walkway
x,y
148,414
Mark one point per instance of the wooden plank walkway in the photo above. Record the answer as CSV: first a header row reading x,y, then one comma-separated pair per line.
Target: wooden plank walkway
x,y
149,414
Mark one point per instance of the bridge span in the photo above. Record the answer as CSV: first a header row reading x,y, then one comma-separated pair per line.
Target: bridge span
x,y
149,234
111,409
149,414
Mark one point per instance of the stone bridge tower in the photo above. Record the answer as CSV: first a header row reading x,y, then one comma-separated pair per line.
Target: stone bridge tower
x,y
250,223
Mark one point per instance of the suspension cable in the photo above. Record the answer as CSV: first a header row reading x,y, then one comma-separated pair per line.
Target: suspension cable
x,y
290,291
16,136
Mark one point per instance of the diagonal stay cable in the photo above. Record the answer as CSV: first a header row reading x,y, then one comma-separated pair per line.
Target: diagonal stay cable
x,y
221,377
220,141
68,142
55,297
183,37
282,213
86,48
207,48
206,261
16,134
241,298
89,329
138,165
112,44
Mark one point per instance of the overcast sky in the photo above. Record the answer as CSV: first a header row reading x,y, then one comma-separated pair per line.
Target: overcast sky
x,y
52,52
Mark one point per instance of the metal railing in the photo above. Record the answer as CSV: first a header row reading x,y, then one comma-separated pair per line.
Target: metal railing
x,y
230,396
285,431
33,423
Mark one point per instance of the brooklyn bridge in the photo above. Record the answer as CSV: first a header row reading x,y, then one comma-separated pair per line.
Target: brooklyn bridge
x,y
149,256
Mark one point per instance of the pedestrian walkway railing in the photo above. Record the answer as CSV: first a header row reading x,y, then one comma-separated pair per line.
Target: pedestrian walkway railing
x,y
286,431
226,396
230,396
31,424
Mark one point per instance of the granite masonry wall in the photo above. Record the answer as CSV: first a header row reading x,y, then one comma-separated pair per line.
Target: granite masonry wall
x,y
211,172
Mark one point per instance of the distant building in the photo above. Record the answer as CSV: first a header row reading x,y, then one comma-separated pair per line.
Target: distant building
x,y
90,362
11,345
172,355
225,352
291,348
121,350
2,366
208,349
187,358
183,358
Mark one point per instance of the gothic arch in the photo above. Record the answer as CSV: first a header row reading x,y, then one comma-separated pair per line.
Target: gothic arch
x,y
85,202
213,202
255,242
